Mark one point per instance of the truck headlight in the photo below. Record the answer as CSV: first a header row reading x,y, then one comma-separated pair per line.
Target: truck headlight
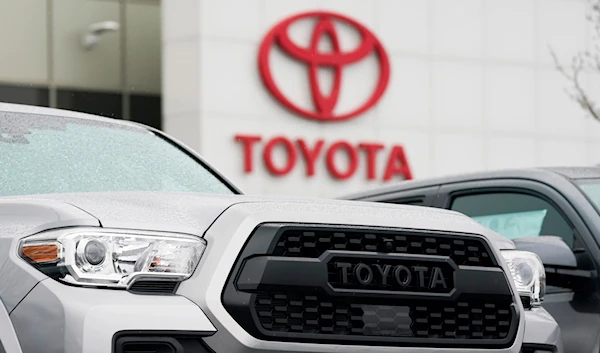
x,y
112,258
528,273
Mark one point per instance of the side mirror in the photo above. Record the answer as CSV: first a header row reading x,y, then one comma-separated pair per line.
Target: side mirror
x,y
556,255
552,250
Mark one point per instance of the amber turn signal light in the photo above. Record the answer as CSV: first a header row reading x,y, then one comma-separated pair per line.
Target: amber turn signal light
x,y
42,253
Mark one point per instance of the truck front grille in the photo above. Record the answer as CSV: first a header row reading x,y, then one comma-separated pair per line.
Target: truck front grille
x,y
314,242
311,314
371,286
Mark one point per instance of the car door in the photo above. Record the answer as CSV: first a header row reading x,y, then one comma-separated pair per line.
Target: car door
x,y
516,208
9,343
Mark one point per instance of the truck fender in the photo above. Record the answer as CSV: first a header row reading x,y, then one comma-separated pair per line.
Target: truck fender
x,y
9,342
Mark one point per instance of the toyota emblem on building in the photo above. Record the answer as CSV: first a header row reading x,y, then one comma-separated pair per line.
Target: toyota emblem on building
x,y
313,58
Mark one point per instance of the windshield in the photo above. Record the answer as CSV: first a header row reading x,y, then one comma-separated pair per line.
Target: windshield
x,y
47,155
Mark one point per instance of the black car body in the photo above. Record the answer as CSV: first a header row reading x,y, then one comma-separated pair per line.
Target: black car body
x,y
527,205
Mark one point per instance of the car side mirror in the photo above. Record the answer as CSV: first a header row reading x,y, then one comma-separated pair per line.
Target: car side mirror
x,y
552,250
556,255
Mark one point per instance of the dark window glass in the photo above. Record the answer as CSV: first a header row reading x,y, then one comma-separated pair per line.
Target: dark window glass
x,y
412,201
146,109
32,95
143,108
44,155
515,215
99,103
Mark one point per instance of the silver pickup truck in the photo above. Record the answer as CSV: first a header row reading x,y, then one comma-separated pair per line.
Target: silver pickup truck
x,y
116,238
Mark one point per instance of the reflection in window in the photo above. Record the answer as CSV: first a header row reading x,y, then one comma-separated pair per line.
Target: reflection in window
x,y
515,215
515,224
591,188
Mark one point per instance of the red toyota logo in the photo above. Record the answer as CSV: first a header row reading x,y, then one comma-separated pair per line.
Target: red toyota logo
x,y
336,59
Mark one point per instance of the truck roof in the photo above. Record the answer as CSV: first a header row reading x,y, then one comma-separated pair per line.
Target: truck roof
x,y
548,175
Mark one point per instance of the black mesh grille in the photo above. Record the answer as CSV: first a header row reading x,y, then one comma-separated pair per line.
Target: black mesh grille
x,y
294,313
323,304
313,243
153,287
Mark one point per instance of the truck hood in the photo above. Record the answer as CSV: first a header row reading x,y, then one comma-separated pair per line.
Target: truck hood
x,y
193,213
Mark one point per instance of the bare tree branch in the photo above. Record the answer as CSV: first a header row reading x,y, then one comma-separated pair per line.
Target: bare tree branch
x,y
583,62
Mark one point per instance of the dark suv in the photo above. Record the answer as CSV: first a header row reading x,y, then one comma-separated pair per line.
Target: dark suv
x,y
554,212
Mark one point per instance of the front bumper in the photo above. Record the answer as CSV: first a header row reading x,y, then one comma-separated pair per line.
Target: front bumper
x,y
56,318
542,333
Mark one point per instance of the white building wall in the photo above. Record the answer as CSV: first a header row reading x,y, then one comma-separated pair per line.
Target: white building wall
x,y
473,86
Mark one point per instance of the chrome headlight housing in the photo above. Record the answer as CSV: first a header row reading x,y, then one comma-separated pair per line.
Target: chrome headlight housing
x,y
115,258
529,275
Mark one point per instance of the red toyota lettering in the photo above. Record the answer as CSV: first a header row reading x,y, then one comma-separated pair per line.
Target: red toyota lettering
x,y
397,164
290,152
371,150
248,142
352,160
310,155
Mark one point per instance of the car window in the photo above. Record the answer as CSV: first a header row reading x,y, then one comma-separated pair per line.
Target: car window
x,y
411,201
591,189
45,155
515,215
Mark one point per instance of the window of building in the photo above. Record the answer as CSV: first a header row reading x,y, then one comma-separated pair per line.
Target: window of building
x,y
117,77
